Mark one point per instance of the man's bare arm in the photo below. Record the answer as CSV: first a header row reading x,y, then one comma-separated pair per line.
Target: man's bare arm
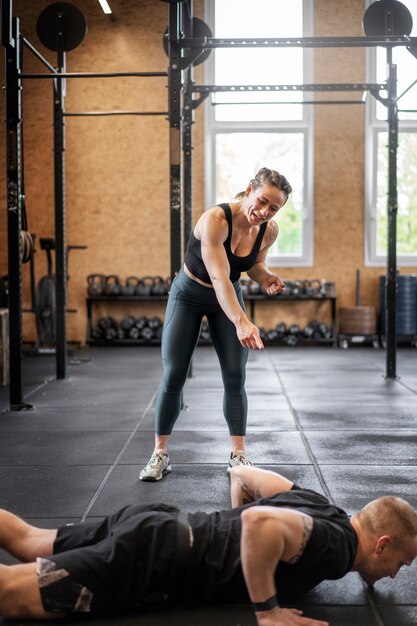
x,y
248,484
270,535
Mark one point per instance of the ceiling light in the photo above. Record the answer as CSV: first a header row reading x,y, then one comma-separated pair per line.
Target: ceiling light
x,y
105,6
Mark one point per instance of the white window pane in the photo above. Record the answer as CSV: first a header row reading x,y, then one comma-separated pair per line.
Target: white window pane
x,y
258,66
239,156
263,18
407,194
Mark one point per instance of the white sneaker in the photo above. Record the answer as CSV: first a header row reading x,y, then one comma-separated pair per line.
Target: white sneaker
x,y
239,458
158,465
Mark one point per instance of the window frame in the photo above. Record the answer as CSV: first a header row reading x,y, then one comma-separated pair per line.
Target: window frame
x,y
304,126
373,126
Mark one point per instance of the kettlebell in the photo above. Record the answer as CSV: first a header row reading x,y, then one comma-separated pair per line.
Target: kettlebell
x,y
95,283
144,286
158,287
112,285
129,288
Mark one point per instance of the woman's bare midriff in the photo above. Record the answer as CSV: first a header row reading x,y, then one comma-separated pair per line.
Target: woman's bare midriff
x,y
197,280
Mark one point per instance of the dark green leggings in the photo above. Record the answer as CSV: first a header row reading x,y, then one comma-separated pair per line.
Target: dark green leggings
x,y
188,303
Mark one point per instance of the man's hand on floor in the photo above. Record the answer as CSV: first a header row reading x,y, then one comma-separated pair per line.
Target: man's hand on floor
x,y
286,617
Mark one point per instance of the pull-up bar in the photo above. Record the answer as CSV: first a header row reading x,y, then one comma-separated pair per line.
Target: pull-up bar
x,y
96,75
296,42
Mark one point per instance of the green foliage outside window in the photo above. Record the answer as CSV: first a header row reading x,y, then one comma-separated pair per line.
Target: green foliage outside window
x,y
407,194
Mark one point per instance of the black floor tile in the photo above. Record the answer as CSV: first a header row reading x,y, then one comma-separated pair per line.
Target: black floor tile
x,y
49,491
353,486
399,615
347,448
358,417
197,419
190,487
60,419
63,448
214,447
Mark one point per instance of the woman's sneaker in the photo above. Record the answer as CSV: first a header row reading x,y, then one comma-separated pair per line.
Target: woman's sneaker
x,y
158,465
239,458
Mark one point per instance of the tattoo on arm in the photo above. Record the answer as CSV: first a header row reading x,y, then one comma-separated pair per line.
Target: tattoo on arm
x,y
307,528
249,495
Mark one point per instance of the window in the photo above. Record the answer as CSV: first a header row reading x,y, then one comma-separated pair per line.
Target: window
x,y
377,157
248,129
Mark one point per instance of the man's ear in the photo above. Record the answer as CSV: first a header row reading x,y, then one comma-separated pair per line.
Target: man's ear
x,y
248,190
382,543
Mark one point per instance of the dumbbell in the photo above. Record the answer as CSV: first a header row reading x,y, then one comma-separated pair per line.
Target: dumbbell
x,y
324,331
254,288
133,333
294,329
281,329
141,322
127,323
96,334
272,335
291,340
244,285
111,333
205,331
309,330
106,322
155,323
147,333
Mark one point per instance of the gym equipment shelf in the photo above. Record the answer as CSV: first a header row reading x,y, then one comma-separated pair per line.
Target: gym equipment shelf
x,y
90,300
250,298
253,298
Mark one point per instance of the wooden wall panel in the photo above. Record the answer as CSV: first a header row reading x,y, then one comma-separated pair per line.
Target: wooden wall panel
x,y
117,168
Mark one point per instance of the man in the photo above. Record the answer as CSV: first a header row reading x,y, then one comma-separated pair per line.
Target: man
x,y
277,542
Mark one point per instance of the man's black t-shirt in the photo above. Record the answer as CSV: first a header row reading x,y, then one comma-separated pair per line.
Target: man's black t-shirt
x,y
215,572
141,556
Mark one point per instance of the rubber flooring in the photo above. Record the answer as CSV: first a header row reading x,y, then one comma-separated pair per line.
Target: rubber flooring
x,y
324,417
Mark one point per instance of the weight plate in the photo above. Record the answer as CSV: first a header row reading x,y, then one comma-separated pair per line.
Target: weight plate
x,y
200,29
387,17
75,26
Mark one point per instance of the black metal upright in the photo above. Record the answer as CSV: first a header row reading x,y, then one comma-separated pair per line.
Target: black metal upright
x,y
187,122
174,117
59,187
392,209
12,43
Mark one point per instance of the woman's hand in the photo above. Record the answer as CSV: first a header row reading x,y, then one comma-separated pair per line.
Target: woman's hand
x,y
273,285
248,334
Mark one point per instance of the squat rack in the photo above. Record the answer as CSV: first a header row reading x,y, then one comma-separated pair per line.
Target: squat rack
x,y
13,42
184,50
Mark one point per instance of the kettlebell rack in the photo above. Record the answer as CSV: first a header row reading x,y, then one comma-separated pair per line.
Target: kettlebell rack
x,y
114,338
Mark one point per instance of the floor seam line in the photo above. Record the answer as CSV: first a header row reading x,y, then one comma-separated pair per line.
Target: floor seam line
x,y
322,482
115,462
303,437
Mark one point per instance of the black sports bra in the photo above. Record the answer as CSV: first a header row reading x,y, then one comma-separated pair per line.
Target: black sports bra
x,y
238,264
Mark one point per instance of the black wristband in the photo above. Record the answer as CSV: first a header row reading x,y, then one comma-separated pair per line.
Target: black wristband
x,y
265,606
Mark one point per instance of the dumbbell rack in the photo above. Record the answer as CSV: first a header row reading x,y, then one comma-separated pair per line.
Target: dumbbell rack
x,y
91,300
252,299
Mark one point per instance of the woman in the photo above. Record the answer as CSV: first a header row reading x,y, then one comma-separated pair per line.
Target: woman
x,y
227,240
